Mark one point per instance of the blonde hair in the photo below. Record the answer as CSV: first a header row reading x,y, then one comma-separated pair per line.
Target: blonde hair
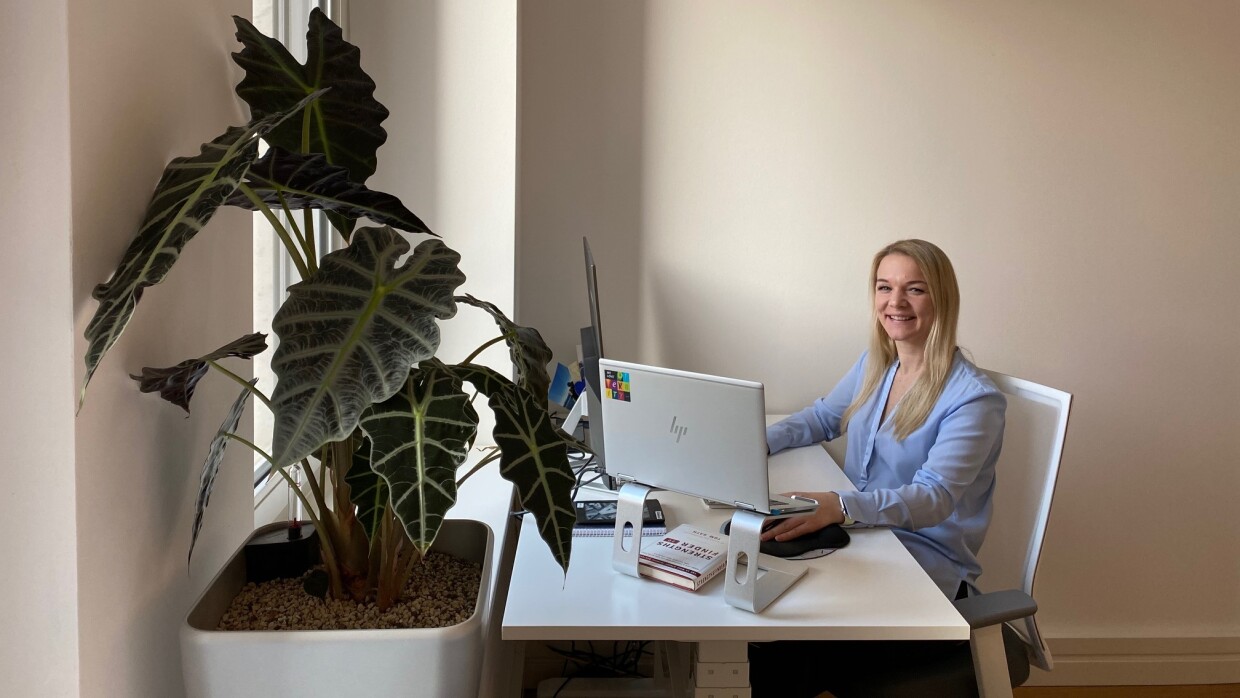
x,y
940,350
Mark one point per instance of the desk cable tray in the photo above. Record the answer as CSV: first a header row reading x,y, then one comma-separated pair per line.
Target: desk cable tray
x,y
747,586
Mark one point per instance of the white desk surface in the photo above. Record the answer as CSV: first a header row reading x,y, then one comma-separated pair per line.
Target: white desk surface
x,y
870,590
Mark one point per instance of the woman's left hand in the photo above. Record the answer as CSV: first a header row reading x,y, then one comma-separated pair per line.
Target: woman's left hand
x,y
829,512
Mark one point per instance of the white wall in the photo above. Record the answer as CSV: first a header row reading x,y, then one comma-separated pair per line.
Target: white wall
x,y
447,72
736,164
38,643
149,80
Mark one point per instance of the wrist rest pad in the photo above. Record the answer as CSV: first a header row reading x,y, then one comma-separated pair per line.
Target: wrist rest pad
x,y
825,539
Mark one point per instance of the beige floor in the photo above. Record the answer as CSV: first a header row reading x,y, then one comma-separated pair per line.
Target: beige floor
x,y
1217,691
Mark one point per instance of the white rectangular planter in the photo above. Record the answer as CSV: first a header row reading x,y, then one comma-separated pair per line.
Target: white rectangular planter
x,y
306,663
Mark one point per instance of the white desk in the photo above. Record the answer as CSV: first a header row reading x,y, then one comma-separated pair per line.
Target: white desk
x,y
870,590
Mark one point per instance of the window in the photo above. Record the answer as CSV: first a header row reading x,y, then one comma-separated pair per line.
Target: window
x,y
274,272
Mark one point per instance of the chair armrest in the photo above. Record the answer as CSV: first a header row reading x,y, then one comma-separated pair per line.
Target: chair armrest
x,y
996,607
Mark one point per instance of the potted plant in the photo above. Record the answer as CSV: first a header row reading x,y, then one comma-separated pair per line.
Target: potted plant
x,y
377,423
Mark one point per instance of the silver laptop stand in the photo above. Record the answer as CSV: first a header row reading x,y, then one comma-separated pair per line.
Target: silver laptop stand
x,y
763,578
630,502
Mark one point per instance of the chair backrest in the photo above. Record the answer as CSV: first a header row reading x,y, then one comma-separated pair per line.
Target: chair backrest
x,y
1028,467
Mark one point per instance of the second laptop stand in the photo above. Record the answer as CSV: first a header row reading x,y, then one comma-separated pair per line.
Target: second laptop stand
x,y
752,580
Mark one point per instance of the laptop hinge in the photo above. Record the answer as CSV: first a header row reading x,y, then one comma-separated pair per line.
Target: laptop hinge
x,y
745,505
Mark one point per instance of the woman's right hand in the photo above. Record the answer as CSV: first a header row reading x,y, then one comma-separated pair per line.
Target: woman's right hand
x,y
829,512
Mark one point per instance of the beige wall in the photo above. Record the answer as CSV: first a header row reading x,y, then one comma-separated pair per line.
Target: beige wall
x,y
447,71
149,80
38,643
735,164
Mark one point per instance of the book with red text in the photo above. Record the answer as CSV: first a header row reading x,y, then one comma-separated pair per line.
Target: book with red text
x,y
686,557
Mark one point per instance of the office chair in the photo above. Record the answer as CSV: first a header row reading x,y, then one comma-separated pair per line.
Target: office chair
x,y
1004,639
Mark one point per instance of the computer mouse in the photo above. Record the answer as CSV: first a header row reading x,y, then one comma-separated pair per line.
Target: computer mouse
x,y
824,541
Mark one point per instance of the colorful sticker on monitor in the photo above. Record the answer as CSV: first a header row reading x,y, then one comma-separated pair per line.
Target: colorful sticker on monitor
x,y
616,386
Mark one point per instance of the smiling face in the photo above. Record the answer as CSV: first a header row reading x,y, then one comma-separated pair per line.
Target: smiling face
x,y
902,301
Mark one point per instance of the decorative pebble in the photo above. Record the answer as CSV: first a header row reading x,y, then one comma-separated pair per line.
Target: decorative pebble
x,y
441,592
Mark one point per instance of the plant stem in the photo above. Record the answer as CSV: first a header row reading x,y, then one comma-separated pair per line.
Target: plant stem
x,y
281,231
246,442
244,383
311,255
493,455
306,241
315,488
305,127
482,348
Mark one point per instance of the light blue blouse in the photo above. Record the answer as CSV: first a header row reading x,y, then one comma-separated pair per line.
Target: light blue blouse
x,y
933,488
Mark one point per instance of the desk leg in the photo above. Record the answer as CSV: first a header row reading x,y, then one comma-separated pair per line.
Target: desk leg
x,y
990,662
512,688
676,655
721,670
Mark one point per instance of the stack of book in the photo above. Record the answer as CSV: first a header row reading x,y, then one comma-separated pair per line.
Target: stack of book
x,y
687,557
598,518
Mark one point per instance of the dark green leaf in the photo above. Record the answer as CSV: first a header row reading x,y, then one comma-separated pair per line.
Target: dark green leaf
x,y
212,466
309,181
344,224
533,456
350,332
529,353
345,124
186,197
420,436
367,490
176,384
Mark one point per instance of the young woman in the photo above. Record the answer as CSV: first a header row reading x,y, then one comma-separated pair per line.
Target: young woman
x,y
925,427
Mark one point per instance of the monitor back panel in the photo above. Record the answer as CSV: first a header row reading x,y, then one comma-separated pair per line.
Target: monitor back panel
x,y
688,432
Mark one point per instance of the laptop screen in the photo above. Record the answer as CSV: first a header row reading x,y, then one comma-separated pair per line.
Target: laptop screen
x,y
693,433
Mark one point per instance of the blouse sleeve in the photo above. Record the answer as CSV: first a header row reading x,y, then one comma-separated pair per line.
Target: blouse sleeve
x,y
821,420
967,436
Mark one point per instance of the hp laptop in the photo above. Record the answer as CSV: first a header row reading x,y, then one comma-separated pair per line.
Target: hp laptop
x,y
701,435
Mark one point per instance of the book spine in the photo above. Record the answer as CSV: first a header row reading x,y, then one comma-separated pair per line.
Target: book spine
x,y
601,531
669,566
669,578
690,583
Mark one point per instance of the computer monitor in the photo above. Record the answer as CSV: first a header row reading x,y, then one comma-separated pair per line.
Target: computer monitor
x,y
591,352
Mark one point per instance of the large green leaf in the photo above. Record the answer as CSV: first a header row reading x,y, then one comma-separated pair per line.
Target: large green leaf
x,y
533,456
420,436
302,181
176,384
187,196
212,465
350,332
345,124
529,353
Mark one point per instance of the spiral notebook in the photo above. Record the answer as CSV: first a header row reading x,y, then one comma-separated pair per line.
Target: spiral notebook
x,y
598,518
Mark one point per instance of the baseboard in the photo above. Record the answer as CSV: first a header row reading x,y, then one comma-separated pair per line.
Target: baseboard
x,y
1141,661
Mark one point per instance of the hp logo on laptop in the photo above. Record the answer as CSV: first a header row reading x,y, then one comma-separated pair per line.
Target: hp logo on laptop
x,y
679,431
